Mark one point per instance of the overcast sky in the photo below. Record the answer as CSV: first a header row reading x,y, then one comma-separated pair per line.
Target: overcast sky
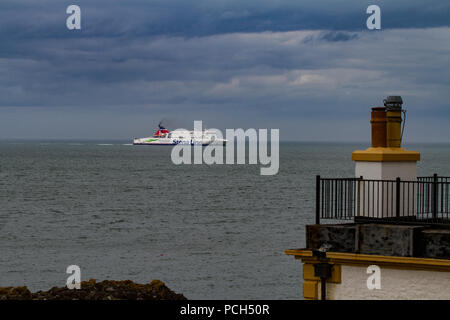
x,y
310,68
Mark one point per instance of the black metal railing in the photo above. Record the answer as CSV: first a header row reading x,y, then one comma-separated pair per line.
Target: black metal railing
x,y
425,200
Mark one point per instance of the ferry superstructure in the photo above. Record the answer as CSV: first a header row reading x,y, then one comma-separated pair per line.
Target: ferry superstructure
x,y
164,137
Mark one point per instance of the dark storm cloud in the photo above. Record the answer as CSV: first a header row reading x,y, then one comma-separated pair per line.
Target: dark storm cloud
x,y
224,69
238,63
109,18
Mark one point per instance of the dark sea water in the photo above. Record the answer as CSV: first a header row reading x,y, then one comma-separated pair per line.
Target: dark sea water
x,y
126,212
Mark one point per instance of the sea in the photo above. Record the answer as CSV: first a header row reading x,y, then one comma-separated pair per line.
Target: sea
x,y
120,212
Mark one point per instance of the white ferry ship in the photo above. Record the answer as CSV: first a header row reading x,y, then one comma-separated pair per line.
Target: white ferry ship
x,y
164,137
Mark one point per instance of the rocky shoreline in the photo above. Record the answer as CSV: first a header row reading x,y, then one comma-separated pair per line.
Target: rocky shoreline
x,y
93,290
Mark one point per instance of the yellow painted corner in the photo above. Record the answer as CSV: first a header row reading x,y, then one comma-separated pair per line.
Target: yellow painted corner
x,y
308,272
310,289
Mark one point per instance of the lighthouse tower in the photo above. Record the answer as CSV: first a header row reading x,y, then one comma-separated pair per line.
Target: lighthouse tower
x,y
386,159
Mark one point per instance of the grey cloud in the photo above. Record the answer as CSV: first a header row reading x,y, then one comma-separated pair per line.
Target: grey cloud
x,y
193,59
27,19
332,36
338,36
265,69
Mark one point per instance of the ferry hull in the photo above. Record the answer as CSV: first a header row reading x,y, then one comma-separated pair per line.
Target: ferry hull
x,y
176,143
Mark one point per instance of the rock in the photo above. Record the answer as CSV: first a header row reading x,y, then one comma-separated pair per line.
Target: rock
x,y
15,293
93,290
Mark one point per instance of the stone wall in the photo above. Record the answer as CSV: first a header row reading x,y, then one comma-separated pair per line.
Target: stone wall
x,y
381,239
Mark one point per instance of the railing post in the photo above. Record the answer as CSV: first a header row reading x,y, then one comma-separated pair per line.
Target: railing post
x,y
434,192
318,199
397,199
358,202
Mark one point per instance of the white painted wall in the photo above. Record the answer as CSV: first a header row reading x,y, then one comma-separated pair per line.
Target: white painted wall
x,y
406,170
377,200
396,284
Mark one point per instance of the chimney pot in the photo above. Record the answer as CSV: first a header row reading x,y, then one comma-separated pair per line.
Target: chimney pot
x,y
378,121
